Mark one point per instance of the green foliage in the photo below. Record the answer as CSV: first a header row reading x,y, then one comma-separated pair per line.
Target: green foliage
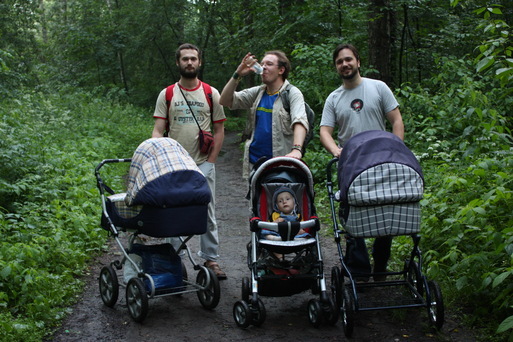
x,y
461,136
48,199
495,51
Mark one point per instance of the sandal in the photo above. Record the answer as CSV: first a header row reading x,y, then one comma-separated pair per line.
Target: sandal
x,y
214,266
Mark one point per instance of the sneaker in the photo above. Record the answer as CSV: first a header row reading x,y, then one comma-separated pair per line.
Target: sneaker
x,y
214,266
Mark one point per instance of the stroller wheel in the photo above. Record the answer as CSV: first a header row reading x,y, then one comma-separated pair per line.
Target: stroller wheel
x,y
414,277
315,312
258,313
330,311
436,309
246,290
210,293
109,286
336,288
136,299
348,310
242,314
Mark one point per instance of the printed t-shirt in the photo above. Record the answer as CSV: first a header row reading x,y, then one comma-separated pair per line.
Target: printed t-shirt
x,y
182,126
262,144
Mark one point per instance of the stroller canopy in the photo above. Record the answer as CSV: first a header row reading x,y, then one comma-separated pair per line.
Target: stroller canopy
x,y
369,149
162,174
381,184
276,173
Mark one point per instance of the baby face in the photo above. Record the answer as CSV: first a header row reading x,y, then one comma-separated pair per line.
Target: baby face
x,y
285,203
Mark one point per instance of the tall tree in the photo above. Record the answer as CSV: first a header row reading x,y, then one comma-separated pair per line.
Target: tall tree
x,y
382,25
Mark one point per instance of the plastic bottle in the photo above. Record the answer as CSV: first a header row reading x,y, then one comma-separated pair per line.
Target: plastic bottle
x,y
253,64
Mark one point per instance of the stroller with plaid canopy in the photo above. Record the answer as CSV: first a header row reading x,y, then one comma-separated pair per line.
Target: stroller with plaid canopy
x,y
380,186
166,196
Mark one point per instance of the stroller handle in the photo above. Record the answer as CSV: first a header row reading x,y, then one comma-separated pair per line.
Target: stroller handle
x,y
107,161
329,168
274,225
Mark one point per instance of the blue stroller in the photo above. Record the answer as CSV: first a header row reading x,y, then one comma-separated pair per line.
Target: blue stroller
x,y
167,196
300,266
380,186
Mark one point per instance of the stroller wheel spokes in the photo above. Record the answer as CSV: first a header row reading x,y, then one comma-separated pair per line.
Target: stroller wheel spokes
x,y
258,313
210,293
435,305
348,311
330,310
136,299
242,314
414,277
109,286
336,287
315,314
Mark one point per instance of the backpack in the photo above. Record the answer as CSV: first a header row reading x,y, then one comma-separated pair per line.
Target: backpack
x,y
309,114
169,95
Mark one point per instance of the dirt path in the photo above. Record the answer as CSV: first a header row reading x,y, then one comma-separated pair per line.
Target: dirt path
x,y
184,319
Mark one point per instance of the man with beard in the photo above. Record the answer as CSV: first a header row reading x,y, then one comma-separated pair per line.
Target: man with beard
x,y
275,131
360,104
189,94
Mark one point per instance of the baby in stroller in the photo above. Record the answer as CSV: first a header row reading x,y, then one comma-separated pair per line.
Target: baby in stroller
x,y
284,256
286,210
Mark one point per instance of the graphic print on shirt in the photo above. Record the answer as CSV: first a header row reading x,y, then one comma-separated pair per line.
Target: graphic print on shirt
x,y
183,113
357,105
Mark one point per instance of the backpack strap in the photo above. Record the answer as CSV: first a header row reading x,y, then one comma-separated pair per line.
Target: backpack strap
x,y
169,96
208,94
285,97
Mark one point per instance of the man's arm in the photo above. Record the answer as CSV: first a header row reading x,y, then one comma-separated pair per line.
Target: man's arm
x,y
326,133
218,141
230,87
396,120
299,139
159,128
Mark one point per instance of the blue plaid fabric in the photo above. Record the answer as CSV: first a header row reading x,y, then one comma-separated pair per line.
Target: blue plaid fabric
x,y
153,158
121,208
383,200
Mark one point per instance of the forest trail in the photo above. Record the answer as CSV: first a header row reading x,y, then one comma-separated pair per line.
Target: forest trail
x,y
183,318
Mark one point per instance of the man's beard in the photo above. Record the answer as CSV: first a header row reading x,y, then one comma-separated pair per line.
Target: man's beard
x,y
350,76
189,73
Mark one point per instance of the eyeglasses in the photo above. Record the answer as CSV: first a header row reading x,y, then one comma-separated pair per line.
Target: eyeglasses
x,y
268,64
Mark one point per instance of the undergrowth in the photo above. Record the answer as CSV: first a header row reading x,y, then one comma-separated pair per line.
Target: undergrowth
x,y
49,202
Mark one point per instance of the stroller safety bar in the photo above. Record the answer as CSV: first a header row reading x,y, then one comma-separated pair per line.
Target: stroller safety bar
x,y
274,225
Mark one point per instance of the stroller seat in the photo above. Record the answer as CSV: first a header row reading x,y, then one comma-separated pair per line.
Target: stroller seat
x,y
119,208
289,244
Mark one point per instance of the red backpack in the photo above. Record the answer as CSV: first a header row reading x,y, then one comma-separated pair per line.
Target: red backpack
x,y
169,95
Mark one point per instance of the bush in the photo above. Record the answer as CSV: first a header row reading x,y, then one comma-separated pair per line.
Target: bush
x,y
49,210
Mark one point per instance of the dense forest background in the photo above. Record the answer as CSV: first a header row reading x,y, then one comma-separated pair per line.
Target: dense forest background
x,y
78,80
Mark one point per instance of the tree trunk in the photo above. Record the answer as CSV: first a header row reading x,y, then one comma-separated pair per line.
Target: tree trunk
x,y
380,39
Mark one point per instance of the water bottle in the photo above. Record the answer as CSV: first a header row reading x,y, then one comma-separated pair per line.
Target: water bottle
x,y
253,64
